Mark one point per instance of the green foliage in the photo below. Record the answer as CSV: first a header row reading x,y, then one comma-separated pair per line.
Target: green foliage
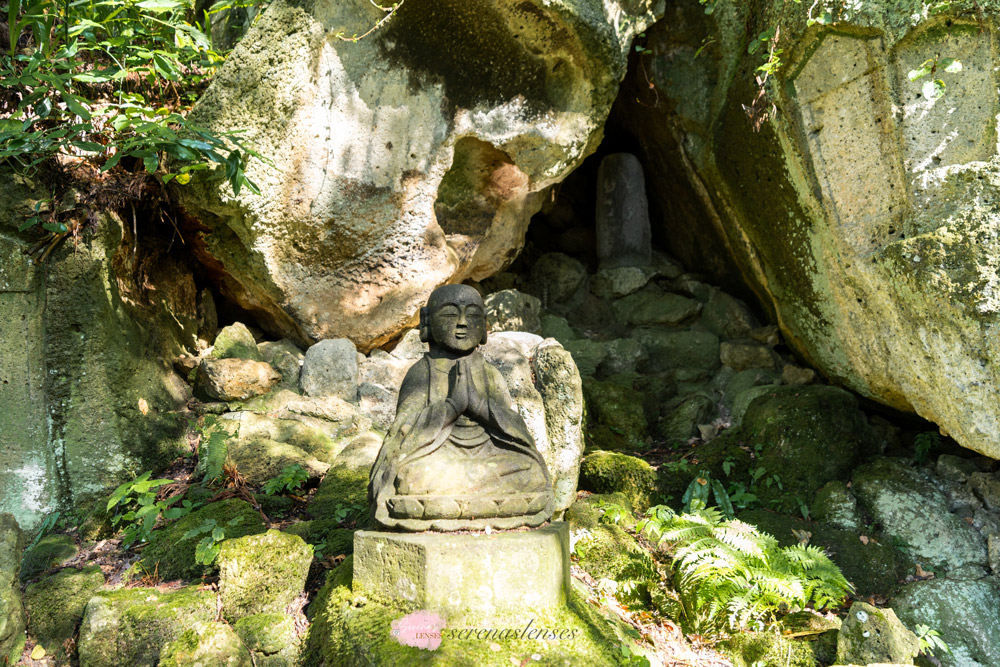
x,y
47,524
630,658
923,444
208,548
933,88
696,496
213,450
930,640
342,512
137,509
109,82
725,574
289,480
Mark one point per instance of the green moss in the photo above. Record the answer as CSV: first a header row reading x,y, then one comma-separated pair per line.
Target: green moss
x,y
50,551
131,626
808,436
616,419
267,633
56,604
343,487
262,573
585,512
351,630
236,342
612,472
173,557
609,552
206,645
328,532
748,649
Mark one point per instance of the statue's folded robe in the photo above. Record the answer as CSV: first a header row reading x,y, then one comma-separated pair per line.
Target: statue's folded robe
x,y
422,426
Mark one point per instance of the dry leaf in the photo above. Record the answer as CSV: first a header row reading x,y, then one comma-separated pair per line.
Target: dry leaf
x,y
803,536
924,574
38,652
143,406
864,539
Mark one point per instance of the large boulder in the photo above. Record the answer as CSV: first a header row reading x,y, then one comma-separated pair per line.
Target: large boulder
x,y
414,156
862,213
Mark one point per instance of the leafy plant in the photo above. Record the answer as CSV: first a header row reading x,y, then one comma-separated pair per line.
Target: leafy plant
x,y
613,512
208,548
924,444
47,524
290,479
725,574
930,640
697,493
137,509
342,512
933,88
109,83
213,449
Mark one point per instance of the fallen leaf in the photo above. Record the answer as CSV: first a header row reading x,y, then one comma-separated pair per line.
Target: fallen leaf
x,y
803,536
924,574
143,406
38,652
864,539
495,647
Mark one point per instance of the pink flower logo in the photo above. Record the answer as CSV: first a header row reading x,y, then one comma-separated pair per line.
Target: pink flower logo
x,y
420,629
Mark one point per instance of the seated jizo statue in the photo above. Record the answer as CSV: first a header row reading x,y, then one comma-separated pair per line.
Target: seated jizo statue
x,y
458,456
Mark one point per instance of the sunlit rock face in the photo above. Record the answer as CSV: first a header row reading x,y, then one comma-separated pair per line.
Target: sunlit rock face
x,y
865,210
412,157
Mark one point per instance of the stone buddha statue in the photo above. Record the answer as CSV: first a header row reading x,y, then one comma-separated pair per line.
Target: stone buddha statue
x,y
458,455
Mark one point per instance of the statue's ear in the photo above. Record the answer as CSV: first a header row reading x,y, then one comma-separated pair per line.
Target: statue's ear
x,y
425,327
482,341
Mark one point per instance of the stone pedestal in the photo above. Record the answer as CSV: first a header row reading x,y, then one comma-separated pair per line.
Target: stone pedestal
x,y
451,573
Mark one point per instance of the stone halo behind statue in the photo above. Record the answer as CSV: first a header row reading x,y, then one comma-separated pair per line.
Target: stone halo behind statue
x,y
458,455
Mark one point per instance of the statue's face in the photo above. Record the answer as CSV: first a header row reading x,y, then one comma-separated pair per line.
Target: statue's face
x,y
457,318
458,327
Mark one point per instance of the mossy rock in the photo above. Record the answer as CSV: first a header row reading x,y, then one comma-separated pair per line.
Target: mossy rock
x,y
809,436
56,604
207,645
262,573
131,626
327,532
343,487
615,415
354,631
236,342
50,551
749,649
586,512
271,638
873,635
609,552
873,568
613,472
172,557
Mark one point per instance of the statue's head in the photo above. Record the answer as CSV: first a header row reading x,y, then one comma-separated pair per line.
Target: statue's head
x,y
454,319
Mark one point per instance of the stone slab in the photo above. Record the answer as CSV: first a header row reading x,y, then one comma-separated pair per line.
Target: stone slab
x,y
477,573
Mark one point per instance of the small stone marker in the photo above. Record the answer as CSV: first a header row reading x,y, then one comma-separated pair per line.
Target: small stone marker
x,y
623,233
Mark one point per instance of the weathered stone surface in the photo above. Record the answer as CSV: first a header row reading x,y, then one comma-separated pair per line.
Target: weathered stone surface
x,y
330,368
652,306
963,612
872,635
487,574
623,231
50,551
796,375
236,379
411,168
587,354
286,358
561,389
911,509
617,419
682,417
726,316
12,618
510,310
556,277
620,281
876,242
209,644
236,342
131,626
954,469
622,355
557,327
740,355
837,506
262,573
56,605
987,488
271,638
679,349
